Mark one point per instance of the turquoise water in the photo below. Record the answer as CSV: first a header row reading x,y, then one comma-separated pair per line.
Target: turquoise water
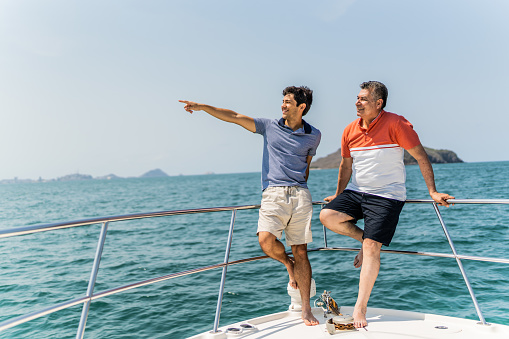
x,y
42,269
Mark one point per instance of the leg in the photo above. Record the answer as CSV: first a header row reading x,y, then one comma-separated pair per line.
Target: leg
x,y
381,217
341,223
302,271
369,273
272,247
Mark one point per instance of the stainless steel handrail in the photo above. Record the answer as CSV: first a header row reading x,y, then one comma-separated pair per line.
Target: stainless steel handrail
x,y
460,201
90,296
12,232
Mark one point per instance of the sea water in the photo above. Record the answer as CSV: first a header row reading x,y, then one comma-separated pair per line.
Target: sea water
x,y
40,270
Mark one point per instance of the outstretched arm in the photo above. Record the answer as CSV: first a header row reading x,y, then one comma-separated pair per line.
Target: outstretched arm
x,y
345,172
222,114
420,155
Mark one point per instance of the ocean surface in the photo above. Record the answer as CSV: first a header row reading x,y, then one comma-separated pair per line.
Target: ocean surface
x,y
42,269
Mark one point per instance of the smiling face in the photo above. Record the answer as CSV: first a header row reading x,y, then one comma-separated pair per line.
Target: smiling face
x,y
367,107
290,109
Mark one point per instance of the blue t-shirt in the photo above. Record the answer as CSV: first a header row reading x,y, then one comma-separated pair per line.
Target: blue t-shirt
x,y
285,152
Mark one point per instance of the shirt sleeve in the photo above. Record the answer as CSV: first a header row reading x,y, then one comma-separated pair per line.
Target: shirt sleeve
x,y
345,149
405,134
312,151
261,125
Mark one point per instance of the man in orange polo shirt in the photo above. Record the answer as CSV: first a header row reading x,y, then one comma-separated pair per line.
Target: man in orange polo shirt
x,y
372,148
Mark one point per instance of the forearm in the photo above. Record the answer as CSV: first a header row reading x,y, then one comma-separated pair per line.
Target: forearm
x,y
345,172
427,174
342,183
420,155
308,160
219,113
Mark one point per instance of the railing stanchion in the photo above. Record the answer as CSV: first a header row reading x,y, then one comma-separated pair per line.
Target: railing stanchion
x,y
324,233
460,265
325,237
223,276
91,282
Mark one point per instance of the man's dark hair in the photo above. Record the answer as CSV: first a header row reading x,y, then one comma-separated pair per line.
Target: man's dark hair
x,y
302,94
377,90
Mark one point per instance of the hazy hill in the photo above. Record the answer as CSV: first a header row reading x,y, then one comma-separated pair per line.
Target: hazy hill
x,y
75,176
440,156
156,173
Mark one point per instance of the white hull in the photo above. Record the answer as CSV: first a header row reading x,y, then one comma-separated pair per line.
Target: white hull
x,y
382,324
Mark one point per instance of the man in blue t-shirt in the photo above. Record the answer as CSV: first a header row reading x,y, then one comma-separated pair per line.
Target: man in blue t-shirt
x,y
289,145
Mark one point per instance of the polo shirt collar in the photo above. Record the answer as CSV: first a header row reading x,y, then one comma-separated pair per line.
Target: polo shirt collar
x,y
373,123
378,117
307,127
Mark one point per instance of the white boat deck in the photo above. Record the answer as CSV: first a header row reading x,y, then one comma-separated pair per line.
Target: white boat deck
x,y
382,324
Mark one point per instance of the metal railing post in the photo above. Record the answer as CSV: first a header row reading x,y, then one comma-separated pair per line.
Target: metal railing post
x,y
324,232
325,237
91,282
460,265
223,276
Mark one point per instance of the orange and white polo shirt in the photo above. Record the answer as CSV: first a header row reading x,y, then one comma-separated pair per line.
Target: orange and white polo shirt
x,y
377,154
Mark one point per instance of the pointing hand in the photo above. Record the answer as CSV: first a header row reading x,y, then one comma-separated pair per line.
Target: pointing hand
x,y
190,106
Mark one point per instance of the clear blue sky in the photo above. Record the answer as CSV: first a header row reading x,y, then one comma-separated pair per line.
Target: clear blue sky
x,y
93,86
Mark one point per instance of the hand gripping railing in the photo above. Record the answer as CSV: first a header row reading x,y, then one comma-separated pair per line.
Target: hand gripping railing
x,y
90,296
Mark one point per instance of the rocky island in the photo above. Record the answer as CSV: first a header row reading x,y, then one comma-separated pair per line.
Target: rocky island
x,y
155,173
435,156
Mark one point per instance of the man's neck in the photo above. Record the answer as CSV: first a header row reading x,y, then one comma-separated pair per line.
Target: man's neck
x,y
294,125
367,121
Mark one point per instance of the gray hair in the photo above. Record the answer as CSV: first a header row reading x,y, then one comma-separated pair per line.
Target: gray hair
x,y
377,90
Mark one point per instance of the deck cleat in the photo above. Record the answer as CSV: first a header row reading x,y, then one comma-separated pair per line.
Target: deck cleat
x,y
296,301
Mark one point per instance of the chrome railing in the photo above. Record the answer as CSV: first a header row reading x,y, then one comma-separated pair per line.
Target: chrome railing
x,y
105,221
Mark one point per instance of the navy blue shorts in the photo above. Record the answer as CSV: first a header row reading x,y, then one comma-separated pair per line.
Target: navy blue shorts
x,y
380,214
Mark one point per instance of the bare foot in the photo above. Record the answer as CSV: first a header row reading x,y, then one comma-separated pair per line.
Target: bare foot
x,y
357,262
359,317
289,268
309,318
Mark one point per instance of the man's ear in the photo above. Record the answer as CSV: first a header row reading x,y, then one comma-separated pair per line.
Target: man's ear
x,y
302,107
379,103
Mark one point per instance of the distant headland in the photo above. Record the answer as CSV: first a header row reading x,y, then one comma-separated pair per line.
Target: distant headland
x,y
155,173
435,156
332,160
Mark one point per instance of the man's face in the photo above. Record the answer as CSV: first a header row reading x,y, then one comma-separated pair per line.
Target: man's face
x,y
289,107
367,107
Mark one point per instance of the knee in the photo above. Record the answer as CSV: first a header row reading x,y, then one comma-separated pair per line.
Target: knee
x,y
371,247
331,219
325,216
300,252
266,239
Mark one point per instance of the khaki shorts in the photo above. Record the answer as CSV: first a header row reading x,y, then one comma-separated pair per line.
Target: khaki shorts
x,y
287,208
